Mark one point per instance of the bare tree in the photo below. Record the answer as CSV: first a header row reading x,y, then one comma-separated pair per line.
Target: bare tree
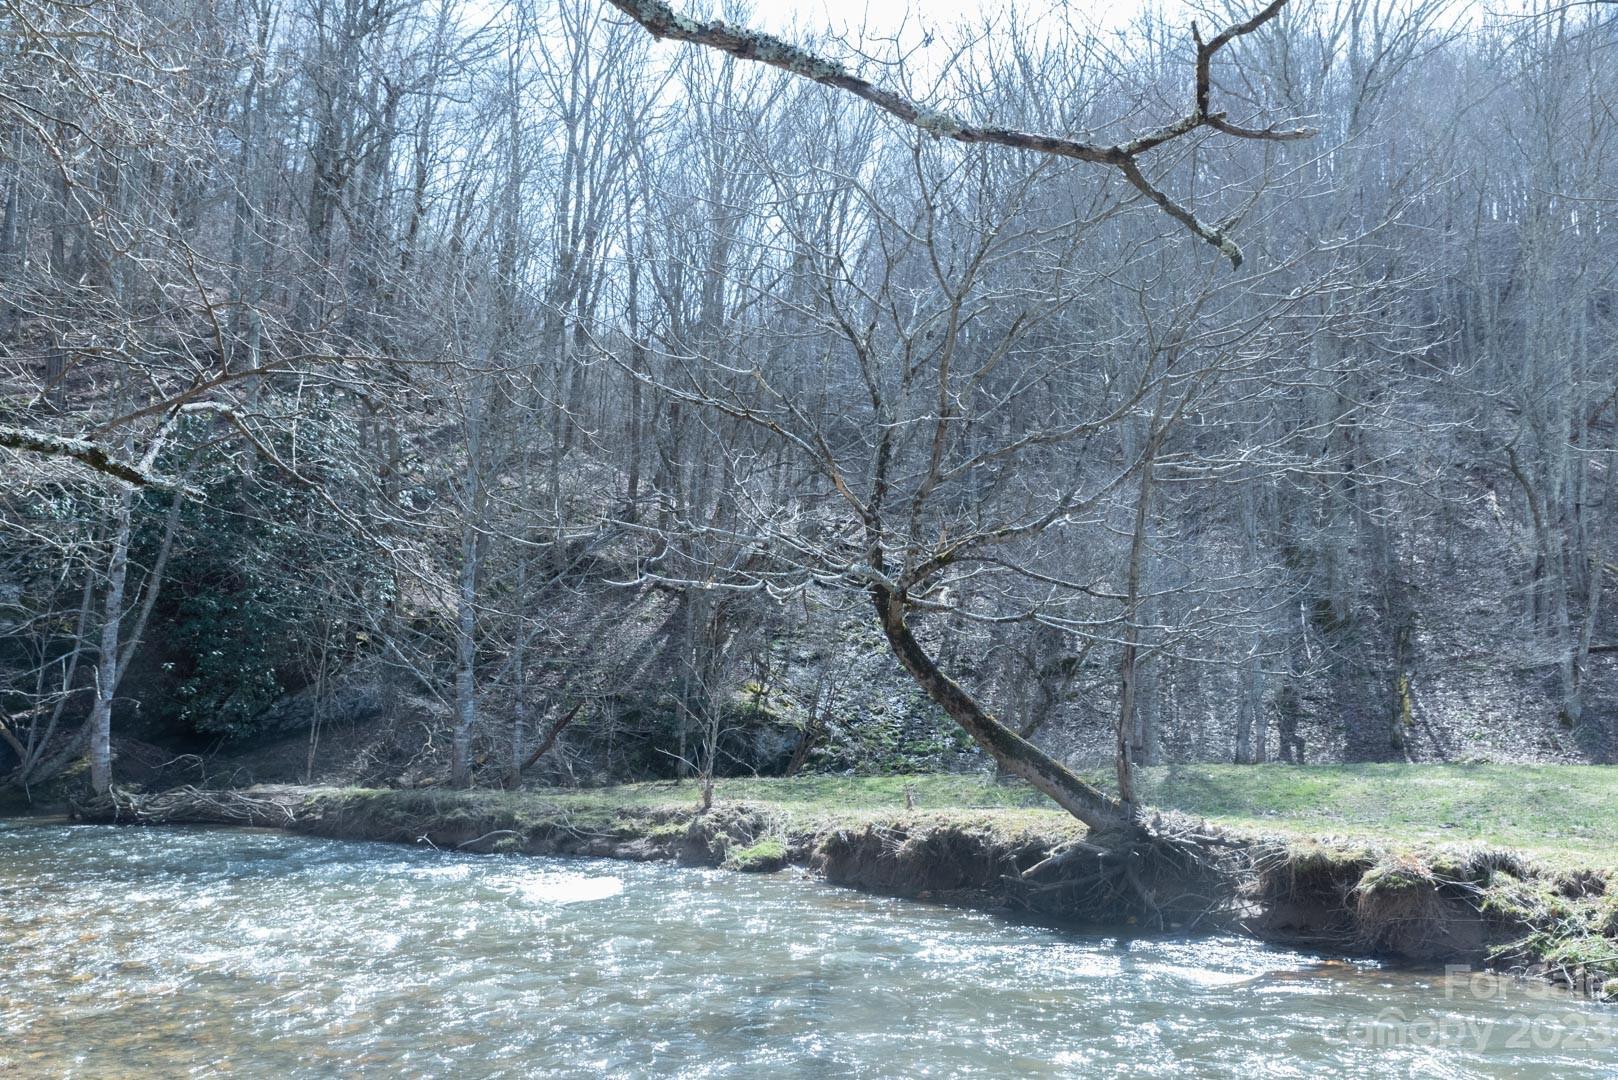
x,y
938,325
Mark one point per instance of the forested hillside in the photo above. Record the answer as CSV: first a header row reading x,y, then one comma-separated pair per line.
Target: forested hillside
x,y
410,391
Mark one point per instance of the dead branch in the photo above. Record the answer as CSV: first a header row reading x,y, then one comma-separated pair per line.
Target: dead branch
x,y
550,736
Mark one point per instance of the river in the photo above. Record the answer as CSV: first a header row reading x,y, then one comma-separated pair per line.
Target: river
x,y
129,952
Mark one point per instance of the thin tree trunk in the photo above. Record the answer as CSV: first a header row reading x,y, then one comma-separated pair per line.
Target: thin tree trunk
x,y
466,709
519,728
1127,732
107,660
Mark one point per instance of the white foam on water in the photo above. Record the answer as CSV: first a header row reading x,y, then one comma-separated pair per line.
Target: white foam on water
x,y
563,888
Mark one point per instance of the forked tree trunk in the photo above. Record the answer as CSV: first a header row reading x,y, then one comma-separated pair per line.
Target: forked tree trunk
x,y
1015,755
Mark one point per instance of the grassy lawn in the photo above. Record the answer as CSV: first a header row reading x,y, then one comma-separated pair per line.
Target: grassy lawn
x,y
1562,812
1550,809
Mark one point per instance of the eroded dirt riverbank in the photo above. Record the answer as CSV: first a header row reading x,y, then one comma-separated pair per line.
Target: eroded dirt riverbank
x,y
1466,905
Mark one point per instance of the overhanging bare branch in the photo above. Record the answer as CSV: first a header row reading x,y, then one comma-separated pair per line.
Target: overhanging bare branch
x,y
663,21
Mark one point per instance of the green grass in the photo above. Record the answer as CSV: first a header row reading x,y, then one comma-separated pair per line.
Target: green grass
x,y
1552,810
1566,813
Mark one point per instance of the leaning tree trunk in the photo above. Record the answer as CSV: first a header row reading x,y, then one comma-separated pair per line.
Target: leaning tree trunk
x,y
1015,755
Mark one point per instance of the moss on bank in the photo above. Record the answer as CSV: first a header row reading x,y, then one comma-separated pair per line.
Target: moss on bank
x,y
763,855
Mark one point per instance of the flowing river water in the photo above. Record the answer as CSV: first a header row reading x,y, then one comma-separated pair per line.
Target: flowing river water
x,y
131,952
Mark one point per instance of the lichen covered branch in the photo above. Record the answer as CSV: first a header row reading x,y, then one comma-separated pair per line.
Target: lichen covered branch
x,y
83,451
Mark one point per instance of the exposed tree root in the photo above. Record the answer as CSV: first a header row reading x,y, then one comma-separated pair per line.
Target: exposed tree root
x,y
1177,874
266,807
